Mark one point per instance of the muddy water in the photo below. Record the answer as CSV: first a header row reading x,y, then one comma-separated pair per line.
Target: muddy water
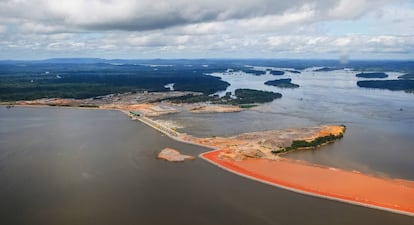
x,y
67,166
380,135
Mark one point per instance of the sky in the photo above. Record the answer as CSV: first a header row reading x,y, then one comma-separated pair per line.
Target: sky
x,y
136,29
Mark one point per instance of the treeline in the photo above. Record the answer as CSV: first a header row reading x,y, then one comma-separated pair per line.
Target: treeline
x,y
243,98
80,81
282,83
372,75
407,76
301,144
393,85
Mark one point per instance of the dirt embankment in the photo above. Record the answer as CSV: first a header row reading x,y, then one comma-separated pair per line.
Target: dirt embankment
x,y
209,108
347,186
146,104
144,109
264,144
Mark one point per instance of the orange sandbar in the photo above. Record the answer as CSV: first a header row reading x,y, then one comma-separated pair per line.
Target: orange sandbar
x,y
387,194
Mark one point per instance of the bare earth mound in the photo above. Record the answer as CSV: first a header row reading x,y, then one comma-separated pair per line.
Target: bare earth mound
x,y
173,155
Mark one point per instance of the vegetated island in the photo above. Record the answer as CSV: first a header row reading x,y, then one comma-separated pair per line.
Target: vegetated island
x,y
255,72
270,144
277,72
408,76
242,98
293,71
393,85
263,72
372,75
326,69
282,83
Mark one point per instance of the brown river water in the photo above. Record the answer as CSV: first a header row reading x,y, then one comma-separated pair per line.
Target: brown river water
x,y
73,166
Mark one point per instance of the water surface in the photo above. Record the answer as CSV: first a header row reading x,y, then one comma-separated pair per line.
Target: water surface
x,y
68,166
380,135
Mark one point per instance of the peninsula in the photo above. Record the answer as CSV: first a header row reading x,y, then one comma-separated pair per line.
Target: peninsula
x,y
258,155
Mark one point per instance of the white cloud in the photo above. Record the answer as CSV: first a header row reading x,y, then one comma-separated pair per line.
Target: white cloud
x,y
147,14
237,28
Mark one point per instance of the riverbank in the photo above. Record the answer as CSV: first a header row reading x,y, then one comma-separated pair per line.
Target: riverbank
x,y
147,104
100,164
391,195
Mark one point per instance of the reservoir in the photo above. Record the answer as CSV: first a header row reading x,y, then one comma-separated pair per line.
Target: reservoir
x,y
77,166
379,139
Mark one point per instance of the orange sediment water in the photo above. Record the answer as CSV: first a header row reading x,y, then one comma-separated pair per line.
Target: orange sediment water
x,y
383,193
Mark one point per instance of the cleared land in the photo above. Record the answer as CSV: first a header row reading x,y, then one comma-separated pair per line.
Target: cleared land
x,y
347,186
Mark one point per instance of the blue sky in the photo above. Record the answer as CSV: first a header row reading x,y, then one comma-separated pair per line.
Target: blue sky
x,y
352,29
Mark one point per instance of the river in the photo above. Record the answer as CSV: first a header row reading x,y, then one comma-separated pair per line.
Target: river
x,y
78,166
380,135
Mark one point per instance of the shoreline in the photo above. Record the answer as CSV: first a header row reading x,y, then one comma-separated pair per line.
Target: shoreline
x,y
260,178
229,166
209,157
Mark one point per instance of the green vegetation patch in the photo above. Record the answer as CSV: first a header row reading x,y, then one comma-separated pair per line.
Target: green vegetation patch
x,y
250,96
255,72
302,144
372,75
245,98
247,106
326,69
80,81
191,98
408,76
393,85
277,72
293,71
282,83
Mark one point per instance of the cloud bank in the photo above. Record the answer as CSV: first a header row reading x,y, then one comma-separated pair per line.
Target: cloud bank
x,y
201,28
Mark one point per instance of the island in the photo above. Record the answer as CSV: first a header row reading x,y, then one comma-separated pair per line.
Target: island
x,y
241,97
173,155
326,69
293,71
270,144
393,85
408,76
277,72
282,83
372,75
255,72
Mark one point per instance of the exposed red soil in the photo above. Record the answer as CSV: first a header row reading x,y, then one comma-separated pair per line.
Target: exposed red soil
x,y
385,193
